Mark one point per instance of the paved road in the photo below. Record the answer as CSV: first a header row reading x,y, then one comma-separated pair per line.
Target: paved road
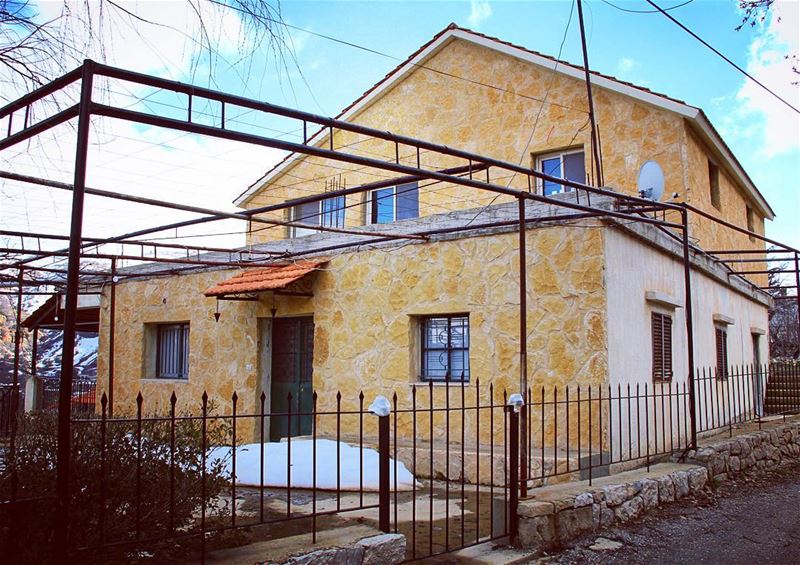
x,y
748,521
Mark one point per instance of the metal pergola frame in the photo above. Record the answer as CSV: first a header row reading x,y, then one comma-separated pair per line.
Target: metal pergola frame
x,y
476,172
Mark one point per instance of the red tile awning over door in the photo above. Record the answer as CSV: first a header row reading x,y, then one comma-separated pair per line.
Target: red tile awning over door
x,y
276,277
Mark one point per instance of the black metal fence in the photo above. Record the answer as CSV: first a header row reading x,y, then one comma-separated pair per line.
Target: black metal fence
x,y
7,407
587,431
437,463
82,400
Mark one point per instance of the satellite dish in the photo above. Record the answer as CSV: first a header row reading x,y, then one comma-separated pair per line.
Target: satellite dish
x,y
651,181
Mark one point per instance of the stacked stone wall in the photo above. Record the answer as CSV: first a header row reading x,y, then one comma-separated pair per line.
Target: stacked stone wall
x,y
757,450
556,515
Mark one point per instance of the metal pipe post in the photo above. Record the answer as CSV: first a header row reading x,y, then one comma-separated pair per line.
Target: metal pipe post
x,y
61,538
595,141
513,466
384,499
687,285
523,344
17,347
111,331
797,293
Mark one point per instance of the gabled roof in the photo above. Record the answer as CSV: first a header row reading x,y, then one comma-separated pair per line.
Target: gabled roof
x,y
694,115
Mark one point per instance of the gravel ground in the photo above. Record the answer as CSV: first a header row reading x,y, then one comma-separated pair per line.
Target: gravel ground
x,y
750,520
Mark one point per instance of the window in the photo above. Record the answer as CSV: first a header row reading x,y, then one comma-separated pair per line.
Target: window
x,y
713,185
721,338
328,213
172,351
445,348
661,329
393,203
569,165
751,222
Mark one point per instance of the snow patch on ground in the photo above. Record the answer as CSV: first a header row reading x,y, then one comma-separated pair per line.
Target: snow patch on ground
x,y
276,454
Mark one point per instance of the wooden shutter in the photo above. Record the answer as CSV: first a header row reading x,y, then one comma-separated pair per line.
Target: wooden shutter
x,y
722,352
667,341
661,334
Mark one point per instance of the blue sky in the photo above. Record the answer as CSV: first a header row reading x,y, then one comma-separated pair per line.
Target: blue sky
x,y
644,48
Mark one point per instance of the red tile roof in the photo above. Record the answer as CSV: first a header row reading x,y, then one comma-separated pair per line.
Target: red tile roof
x,y
266,278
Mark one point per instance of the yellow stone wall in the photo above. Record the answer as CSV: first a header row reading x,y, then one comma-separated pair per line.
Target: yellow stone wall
x,y
364,309
733,205
435,107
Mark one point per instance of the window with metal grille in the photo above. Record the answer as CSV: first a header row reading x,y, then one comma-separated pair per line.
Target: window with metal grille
x,y
661,329
445,348
172,351
721,338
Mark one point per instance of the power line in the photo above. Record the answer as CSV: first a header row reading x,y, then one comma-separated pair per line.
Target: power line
x,y
731,63
621,9
400,59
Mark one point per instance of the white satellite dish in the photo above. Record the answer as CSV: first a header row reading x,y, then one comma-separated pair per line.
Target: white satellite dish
x,y
651,181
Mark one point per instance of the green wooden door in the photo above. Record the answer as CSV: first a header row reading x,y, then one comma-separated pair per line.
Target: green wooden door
x,y
292,377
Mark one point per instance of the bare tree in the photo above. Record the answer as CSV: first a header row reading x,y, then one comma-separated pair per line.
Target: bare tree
x,y
784,341
34,50
755,12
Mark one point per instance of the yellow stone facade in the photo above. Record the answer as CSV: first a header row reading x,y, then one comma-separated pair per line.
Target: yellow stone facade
x,y
432,106
366,306
366,303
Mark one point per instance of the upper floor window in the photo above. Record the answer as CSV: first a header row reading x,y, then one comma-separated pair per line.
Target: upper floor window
x,y
568,164
328,213
661,331
445,347
713,185
393,203
751,221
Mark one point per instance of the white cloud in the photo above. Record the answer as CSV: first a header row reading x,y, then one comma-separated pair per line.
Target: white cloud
x,y
480,11
626,65
775,39
142,160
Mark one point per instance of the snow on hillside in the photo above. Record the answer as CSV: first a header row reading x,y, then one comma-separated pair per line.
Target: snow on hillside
x,y
49,363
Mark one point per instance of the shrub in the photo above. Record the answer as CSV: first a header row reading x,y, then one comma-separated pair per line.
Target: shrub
x,y
145,486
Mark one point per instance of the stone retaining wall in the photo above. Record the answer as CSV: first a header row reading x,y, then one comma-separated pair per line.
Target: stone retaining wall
x,y
755,450
555,515
546,522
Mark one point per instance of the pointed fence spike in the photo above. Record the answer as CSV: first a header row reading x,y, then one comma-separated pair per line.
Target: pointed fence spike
x,y
173,398
104,400
263,396
235,396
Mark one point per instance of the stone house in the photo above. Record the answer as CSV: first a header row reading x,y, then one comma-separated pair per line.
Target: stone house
x,y
605,298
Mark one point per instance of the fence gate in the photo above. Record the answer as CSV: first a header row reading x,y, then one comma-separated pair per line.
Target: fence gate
x,y
456,441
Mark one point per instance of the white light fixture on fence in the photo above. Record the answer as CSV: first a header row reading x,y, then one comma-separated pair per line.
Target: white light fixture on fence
x,y
380,406
516,401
